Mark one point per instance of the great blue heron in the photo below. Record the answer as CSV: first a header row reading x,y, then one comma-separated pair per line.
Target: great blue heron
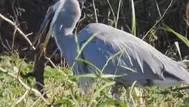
x,y
151,66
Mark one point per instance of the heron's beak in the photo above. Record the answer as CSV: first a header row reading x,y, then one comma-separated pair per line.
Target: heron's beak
x,y
45,30
44,26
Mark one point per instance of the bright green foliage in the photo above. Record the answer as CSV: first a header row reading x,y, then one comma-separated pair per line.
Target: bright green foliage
x,y
61,89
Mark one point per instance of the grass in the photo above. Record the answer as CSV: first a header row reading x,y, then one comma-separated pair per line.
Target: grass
x,y
62,90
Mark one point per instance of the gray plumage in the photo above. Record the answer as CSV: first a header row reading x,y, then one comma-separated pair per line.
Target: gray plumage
x,y
151,66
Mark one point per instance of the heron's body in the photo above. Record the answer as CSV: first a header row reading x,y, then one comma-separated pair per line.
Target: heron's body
x,y
151,67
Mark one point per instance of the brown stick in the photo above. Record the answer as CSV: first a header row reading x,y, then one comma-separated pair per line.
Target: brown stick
x,y
20,31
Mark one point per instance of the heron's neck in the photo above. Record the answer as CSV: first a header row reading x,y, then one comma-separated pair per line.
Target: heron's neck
x,y
64,21
67,46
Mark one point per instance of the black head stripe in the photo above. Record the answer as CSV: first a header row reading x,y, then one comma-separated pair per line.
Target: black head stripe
x,y
53,2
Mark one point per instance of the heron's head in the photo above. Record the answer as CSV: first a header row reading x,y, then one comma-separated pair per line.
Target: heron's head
x,y
61,17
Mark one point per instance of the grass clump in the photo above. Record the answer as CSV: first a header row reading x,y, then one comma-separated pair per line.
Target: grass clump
x,y
62,90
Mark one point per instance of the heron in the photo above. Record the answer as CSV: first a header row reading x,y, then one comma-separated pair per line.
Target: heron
x,y
152,68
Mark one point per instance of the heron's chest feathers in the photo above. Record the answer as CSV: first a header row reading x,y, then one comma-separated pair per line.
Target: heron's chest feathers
x,y
67,46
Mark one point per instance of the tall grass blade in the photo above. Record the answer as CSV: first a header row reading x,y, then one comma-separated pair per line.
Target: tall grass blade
x,y
83,46
133,18
181,37
89,63
110,58
98,92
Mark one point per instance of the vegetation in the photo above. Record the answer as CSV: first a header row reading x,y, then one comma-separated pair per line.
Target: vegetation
x,y
150,18
62,90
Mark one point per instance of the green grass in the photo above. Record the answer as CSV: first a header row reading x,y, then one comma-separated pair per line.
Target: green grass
x,y
62,90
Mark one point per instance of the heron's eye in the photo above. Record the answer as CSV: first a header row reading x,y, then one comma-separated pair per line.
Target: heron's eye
x,y
53,2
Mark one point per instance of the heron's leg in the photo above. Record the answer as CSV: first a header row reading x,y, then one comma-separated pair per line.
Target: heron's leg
x,y
87,86
129,96
115,91
139,93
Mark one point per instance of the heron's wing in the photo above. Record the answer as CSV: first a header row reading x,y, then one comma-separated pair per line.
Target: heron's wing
x,y
135,54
